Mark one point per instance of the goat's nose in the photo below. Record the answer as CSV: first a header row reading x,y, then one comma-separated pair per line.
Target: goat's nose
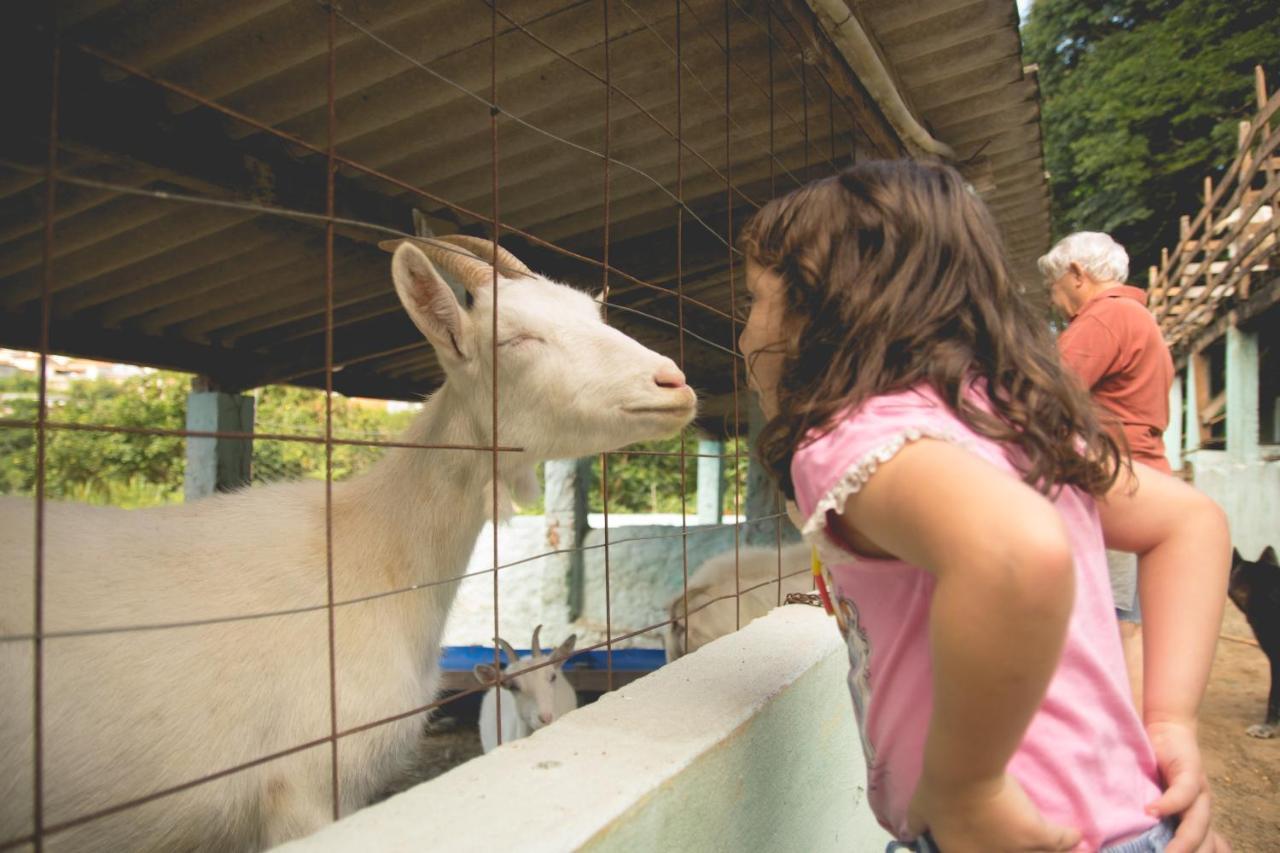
x,y
546,718
669,376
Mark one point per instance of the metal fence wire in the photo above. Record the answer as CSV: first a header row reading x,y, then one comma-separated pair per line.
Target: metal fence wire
x,y
195,172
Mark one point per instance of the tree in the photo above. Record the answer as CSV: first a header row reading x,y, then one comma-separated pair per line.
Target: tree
x,y
126,469
1141,100
641,482
132,470
287,410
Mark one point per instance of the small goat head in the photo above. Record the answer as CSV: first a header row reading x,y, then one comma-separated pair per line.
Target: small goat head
x,y
593,387
542,692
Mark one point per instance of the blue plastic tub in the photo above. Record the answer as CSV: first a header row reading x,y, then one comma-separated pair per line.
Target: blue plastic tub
x,y
464,659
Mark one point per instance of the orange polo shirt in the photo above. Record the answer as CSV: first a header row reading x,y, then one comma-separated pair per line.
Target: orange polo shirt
x,y
1114,345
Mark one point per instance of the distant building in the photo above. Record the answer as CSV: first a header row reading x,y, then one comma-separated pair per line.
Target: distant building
x,y
64,369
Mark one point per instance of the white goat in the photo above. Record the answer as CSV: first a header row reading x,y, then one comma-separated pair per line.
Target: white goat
x,y
133,712
715,579
534,692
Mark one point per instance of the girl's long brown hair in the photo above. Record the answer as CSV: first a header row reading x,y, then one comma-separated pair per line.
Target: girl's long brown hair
x,y
894,275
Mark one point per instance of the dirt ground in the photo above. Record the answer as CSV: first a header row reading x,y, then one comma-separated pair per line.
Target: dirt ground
x,y
1244,771
446,743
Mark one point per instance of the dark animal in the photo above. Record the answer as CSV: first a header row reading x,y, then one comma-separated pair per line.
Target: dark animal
x,y
1255,589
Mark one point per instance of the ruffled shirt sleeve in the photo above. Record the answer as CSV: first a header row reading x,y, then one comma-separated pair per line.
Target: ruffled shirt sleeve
x,y
831,467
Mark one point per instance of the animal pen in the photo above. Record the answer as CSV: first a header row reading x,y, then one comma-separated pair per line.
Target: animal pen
x,y
203,187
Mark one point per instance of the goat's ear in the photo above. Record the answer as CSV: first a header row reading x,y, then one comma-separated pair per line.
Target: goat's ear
x,y
565,649
430,303
1268,555
486,674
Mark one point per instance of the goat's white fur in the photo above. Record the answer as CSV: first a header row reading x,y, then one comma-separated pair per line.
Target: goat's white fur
x,y
716,579
130,713
539,693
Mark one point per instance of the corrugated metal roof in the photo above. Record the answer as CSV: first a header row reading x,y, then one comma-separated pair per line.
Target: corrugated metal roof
x,y
237,293
959,67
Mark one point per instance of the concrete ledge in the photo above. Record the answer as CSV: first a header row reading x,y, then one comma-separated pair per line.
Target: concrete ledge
x,y
748,744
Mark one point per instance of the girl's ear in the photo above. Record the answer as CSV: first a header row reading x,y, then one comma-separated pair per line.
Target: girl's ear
x,y
431,304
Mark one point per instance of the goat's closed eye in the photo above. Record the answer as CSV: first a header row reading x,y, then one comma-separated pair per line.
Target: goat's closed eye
x,y
518,340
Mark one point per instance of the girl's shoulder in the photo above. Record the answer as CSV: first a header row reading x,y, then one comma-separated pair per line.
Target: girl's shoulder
x,y
843,456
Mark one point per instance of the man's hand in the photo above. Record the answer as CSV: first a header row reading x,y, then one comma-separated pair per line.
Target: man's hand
x,y
995,815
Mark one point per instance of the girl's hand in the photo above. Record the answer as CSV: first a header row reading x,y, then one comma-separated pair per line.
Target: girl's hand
x,y
989,816
1187,788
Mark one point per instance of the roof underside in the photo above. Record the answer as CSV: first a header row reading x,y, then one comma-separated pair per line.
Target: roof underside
x,y
227,104
959,66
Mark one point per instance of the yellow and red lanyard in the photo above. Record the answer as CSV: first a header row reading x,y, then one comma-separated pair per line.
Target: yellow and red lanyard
x,y
819,578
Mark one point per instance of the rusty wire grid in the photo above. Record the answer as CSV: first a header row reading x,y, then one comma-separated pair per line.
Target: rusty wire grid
x,y
749,151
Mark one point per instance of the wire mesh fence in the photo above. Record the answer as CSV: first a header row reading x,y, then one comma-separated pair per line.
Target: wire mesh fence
x,y
205,191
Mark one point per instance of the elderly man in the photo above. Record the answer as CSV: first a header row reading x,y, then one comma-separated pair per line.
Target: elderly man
x,y
1112,343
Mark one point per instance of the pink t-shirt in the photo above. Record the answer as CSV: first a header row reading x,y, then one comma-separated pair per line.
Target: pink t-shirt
x,y
1085,760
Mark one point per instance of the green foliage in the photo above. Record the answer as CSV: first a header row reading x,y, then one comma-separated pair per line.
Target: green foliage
x,y
1141,100
286,410
131,470
640,482
123,469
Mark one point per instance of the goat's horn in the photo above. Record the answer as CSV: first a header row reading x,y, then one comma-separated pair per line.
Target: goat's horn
x,y
537,647
511,653
469,270
482,248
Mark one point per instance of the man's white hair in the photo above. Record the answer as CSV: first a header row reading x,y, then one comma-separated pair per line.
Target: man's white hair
x,y
1097,254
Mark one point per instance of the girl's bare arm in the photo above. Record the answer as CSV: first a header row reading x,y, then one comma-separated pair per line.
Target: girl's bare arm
x,y
1184,553
1005,588
1183,547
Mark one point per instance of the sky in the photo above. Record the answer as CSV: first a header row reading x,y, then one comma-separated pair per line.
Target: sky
x,y
1024,6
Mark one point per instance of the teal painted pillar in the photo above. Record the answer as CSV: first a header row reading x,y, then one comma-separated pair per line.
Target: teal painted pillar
x,y
1191,423
217,464
1173,434
1242,395
566,482
710,482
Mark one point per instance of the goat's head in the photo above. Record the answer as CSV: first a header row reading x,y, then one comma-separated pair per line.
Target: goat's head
x,y
533,679
568,383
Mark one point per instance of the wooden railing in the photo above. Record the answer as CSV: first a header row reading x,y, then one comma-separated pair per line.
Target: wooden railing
x,y
1231,244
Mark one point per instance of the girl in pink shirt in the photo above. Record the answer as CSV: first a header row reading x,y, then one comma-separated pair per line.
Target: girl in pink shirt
x,y
961,492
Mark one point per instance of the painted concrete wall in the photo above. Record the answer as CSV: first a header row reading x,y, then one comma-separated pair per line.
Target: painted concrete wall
x,y
1244,479
520,593
646,568
645,571
1249,493
747,745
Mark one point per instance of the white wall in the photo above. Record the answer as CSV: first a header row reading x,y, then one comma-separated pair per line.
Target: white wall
x,y
646,558
747,745
1248,492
